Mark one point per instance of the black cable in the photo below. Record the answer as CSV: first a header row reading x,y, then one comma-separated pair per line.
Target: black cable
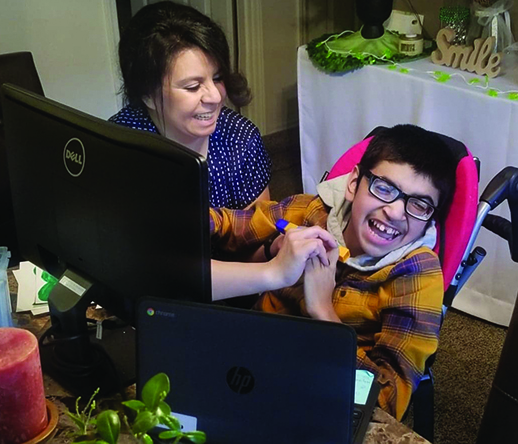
x,y
424,32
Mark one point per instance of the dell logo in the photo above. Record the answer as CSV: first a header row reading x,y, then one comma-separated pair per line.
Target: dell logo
x,y
240,380
74,157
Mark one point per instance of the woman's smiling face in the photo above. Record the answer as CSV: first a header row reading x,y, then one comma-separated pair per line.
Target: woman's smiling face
x,y
377,228
193,93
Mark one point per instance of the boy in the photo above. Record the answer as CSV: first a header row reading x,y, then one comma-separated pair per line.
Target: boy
x,y
391,288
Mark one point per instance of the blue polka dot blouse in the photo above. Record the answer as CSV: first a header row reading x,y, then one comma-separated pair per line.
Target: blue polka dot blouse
x,y
239,166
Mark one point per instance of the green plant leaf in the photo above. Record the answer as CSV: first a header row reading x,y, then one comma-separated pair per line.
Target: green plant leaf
x,y
492,93
155,390
77,420
171,422
404,71
197,437
169,434
91,402
147,439
163,409
87,441
134,404
144,421
100,441
109,426
513,96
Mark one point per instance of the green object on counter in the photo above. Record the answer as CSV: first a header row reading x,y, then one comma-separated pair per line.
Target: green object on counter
x,y
348,51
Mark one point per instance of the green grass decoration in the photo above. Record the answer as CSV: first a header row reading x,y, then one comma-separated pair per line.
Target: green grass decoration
x,y
442,77
348,51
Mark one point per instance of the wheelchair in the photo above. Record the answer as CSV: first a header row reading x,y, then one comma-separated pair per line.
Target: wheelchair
x,y
459,258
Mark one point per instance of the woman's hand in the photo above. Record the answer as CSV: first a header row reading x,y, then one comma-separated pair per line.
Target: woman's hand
x,y
319,284
297,247
231,279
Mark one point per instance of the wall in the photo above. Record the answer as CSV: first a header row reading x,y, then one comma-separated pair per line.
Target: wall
x,y
73,43
284,26
281,37
74,46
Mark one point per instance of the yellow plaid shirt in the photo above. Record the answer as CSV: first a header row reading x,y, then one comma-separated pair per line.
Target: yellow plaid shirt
x,y
396,310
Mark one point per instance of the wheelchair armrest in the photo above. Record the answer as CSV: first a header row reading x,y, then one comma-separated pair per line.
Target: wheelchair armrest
x,y
504,186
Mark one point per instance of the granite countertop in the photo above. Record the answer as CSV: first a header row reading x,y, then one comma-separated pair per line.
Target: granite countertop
x,y
383,429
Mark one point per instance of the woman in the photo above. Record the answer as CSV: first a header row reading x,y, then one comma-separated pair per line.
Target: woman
x,y
175,65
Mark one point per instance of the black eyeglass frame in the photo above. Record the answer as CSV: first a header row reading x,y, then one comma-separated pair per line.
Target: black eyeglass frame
x,y
371,177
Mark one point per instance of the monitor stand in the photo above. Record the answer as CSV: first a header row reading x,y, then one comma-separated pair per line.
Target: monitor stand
x,y
79,359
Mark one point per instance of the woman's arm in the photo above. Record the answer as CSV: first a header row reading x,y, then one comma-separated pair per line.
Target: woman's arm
x,y
230,279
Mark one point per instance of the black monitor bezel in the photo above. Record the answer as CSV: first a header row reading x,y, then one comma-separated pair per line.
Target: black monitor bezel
x,y
140,141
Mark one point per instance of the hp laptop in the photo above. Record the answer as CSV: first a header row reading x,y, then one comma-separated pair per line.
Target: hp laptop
x,y
247,377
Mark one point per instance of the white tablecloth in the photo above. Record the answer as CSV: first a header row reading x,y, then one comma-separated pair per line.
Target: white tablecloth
x,y
338,110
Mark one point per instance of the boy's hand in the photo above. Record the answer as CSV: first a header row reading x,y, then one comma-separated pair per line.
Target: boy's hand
x,y
297,247
319,284
276,245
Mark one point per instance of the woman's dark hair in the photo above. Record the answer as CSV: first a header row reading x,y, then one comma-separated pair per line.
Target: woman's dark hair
x,y
156,35
424,151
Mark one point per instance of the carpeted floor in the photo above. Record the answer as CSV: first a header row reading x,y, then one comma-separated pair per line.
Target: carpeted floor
x,y
469,348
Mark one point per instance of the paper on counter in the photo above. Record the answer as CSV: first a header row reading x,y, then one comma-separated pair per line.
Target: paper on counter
x,y
34,286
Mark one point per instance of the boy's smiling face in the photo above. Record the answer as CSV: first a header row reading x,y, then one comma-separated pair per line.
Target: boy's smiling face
x,y
377,228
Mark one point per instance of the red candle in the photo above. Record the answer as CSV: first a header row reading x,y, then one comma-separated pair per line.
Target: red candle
x,y
23,412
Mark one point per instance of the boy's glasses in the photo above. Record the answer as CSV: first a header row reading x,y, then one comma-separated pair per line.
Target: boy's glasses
x,y
387,192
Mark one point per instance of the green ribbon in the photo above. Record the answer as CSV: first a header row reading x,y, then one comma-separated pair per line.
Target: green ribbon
x,y
44,291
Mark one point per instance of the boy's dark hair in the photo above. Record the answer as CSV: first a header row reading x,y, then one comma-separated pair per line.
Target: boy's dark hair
x,y
156,35
424,151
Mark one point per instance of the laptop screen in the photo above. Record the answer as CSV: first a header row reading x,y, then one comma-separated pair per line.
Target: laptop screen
x,y
243,376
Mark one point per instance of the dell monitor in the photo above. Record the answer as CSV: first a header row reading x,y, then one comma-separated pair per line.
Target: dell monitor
x,y
115,214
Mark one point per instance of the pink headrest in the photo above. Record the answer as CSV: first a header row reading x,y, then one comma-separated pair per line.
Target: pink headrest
x,y
463,212
461,218
349,159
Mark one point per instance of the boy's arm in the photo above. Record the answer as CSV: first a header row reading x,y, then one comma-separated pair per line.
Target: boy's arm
x,y
239,230
231,279
410,317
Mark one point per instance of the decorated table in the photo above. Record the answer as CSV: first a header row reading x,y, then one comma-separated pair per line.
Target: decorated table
x,y
337,110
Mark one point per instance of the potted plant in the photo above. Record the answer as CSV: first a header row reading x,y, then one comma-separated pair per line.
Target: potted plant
x,y
151,411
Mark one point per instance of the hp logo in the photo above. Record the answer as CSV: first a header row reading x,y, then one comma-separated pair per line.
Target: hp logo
x,y
240,380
